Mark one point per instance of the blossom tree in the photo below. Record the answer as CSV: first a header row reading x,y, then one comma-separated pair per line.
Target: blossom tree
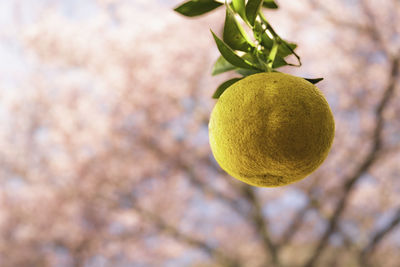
x,y
104,153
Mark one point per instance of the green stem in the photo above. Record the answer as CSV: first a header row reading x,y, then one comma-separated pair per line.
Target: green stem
x,y
272,55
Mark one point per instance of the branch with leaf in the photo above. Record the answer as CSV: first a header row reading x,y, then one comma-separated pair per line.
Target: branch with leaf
x,y
264,51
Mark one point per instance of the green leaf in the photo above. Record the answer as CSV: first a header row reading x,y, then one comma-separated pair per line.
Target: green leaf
x,y
314,80
254,59
246,72
270,4
230,55
252,8
197,7
221,65
284,50
250,57
234,34
224,86
240,7
262,60
267,42
279,62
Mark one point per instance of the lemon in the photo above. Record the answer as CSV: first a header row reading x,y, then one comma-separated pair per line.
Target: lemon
x,y
271,129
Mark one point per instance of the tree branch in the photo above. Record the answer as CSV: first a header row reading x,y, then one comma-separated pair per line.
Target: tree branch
x,y
193,178
260,224
337,20
370,27
363,168
298,218
373,26
377,238
171,230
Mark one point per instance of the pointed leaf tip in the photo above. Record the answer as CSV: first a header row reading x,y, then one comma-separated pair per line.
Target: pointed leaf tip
x,y
194,8
270,4
314,80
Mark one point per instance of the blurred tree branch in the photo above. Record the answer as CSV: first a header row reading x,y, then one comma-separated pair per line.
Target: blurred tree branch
x,y
172,231
366,164
206,189
377,238
370,28
373,27
193,177
330,16
260,224
298,218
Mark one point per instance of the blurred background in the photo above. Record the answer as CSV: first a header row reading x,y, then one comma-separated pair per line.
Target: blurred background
x,y
104,154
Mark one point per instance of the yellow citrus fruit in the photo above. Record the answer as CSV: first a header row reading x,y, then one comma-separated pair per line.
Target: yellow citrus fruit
x,y
271,129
